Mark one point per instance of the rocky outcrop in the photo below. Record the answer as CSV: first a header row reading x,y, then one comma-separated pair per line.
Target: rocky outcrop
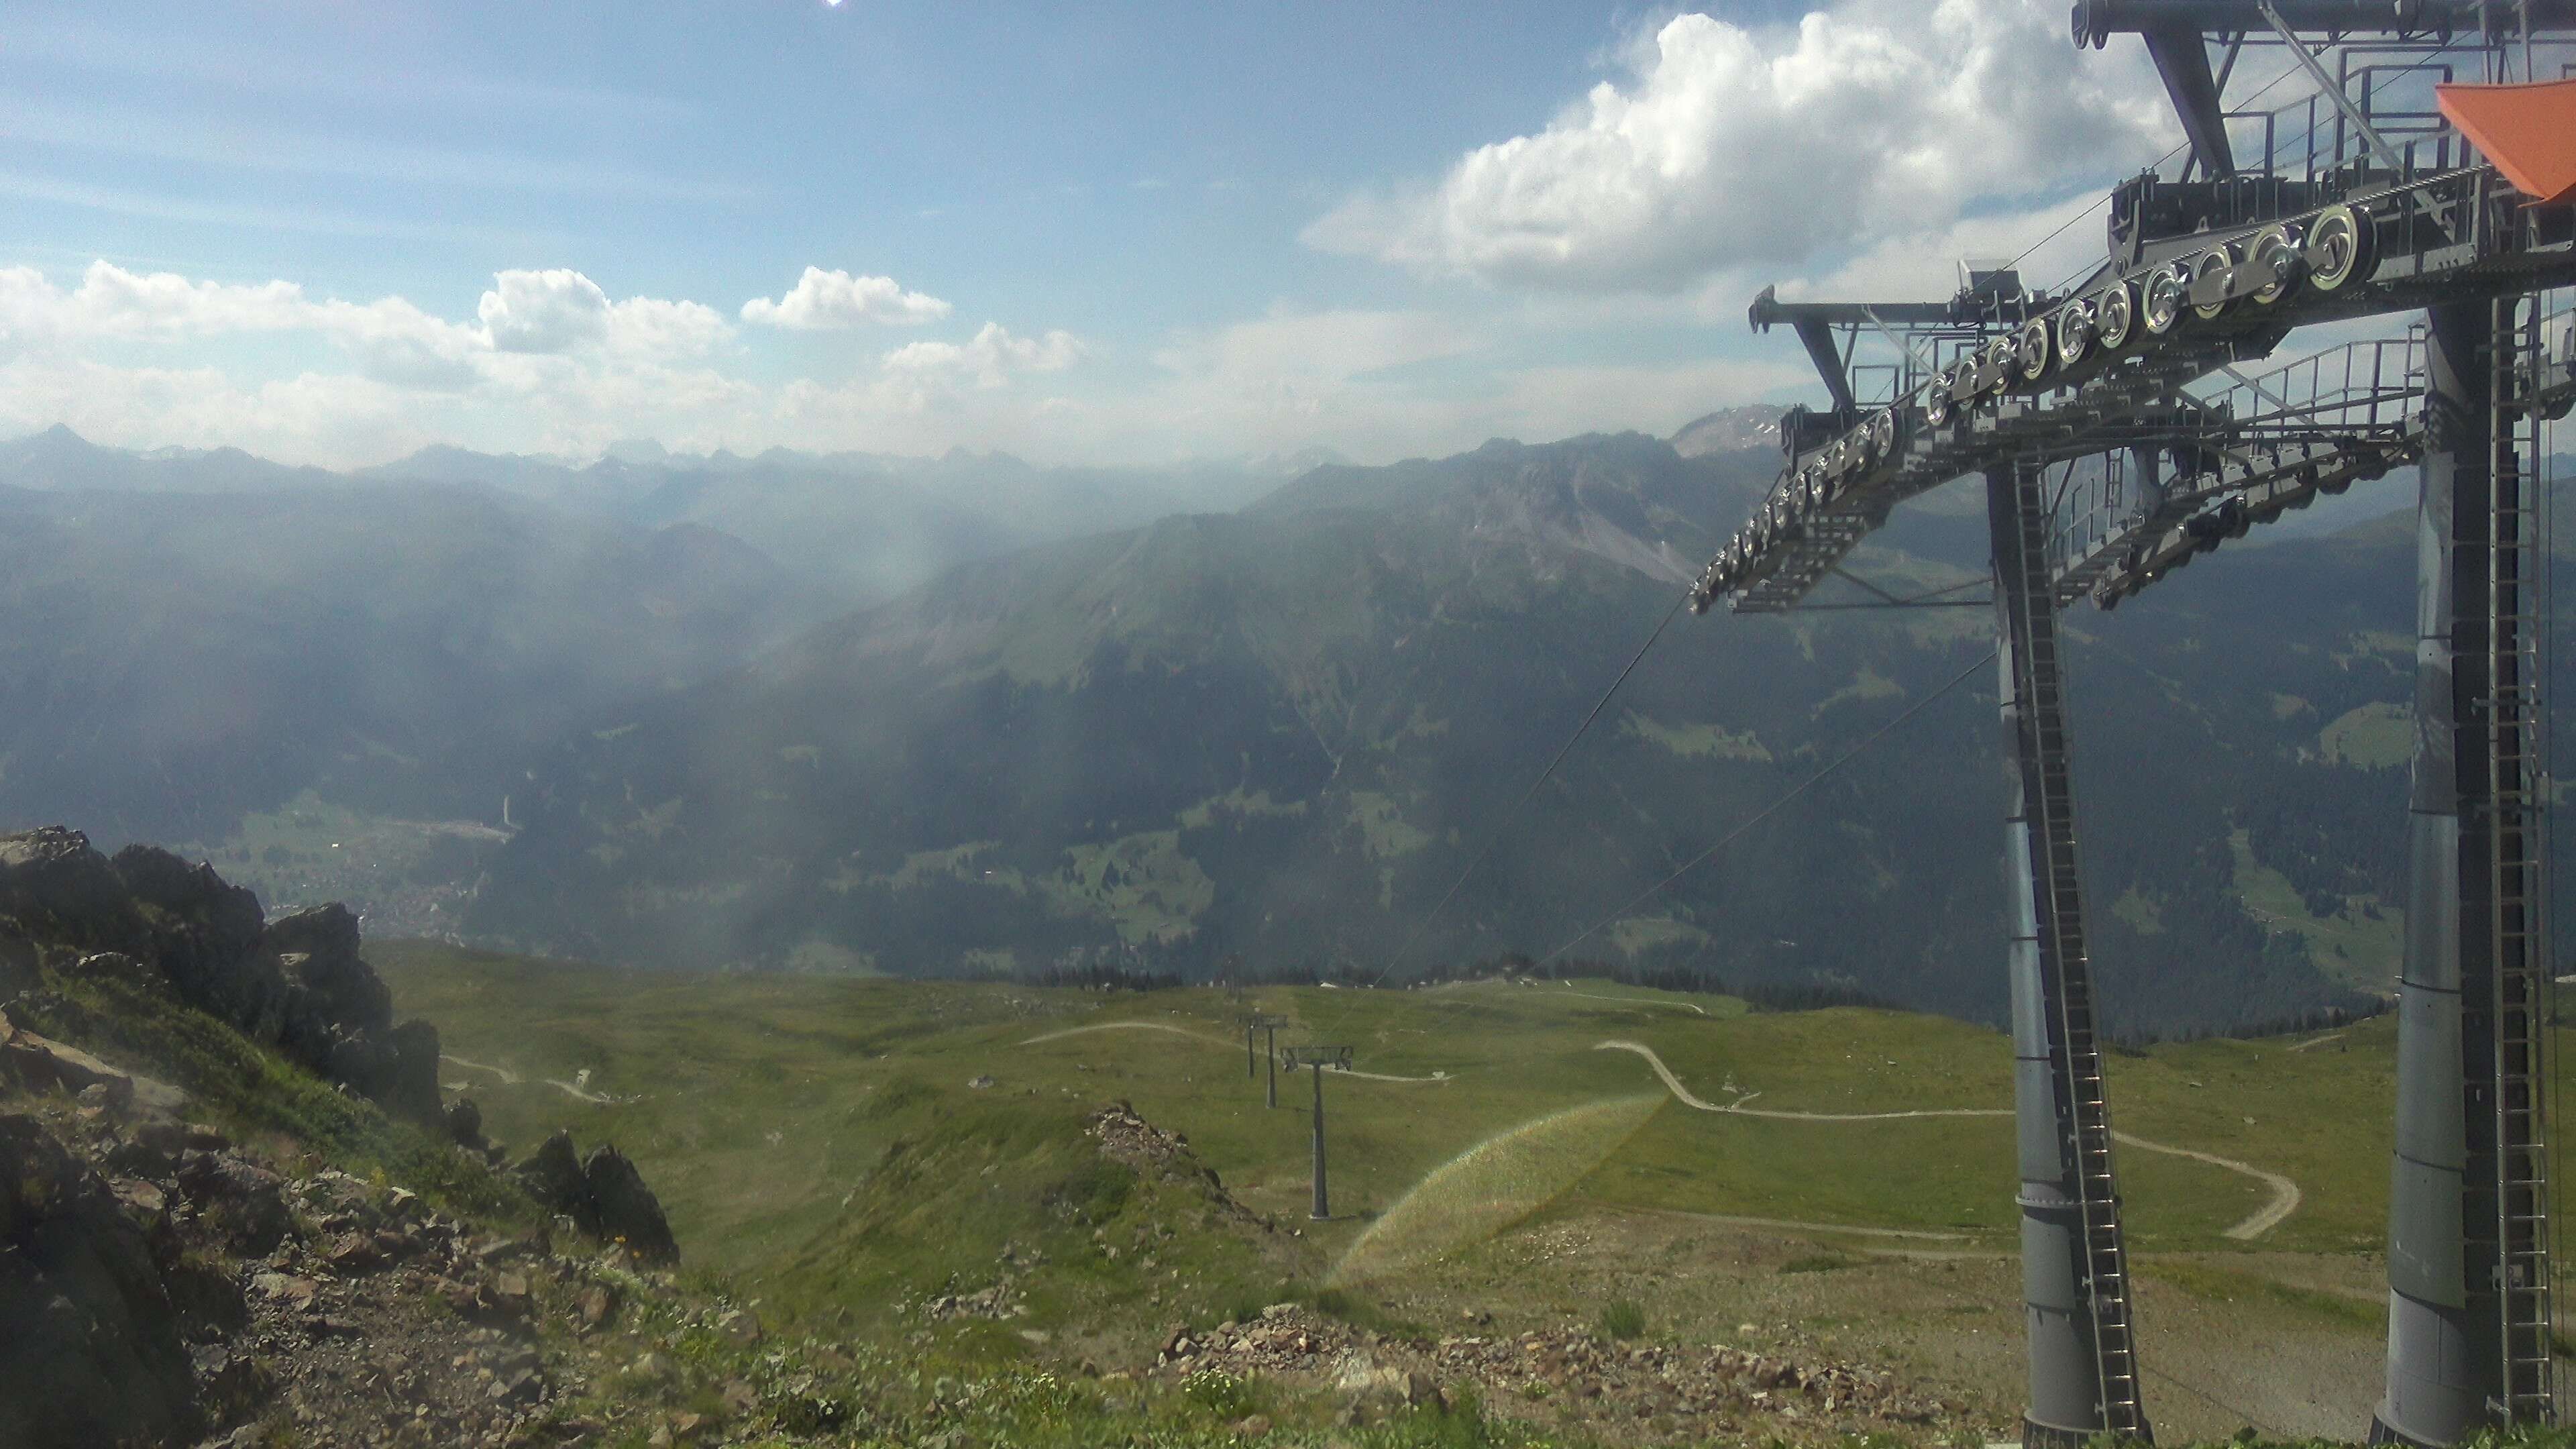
x,y
60,892
93,1353
604,1196
629,1213
151,920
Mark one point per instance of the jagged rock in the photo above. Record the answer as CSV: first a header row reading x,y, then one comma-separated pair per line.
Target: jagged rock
x,y
151,920
59,890
317,949
553,1176
17,961
463,1119
39,1064
627,1210
603,1195
205,937
248,1202
93,1354
410,1085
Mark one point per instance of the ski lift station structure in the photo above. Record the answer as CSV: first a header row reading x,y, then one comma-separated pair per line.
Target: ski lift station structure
x,y
2429,170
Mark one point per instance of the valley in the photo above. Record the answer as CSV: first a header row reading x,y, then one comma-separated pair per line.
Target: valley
x,y
1514,1157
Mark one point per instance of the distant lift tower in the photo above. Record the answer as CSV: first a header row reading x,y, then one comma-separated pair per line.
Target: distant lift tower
x,y
1318,1058
2430,168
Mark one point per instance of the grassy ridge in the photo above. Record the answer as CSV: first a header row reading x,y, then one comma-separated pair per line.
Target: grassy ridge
x,y
751,1096
837,1146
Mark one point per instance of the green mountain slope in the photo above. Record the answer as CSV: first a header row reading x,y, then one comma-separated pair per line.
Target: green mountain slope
x,y
173,661
1281,735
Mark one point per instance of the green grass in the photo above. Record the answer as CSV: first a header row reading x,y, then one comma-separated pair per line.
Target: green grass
x,y
1621,1319
754,1100
818,1140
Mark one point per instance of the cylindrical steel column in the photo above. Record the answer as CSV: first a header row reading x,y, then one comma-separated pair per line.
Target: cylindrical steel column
x,y
2065,1382
2445,1355
1274,1066
1322,1209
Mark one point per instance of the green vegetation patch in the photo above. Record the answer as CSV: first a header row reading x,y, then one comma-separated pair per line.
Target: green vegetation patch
x,y
1383,831
1141,884
2350,946
1867,685
2373,737
2140,911
1637,935
1696,741
1236,806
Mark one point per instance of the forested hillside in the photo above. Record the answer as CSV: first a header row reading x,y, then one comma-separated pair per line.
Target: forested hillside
x,y
1281,736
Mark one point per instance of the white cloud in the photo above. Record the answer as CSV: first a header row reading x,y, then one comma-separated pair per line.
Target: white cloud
x,y
547,363
988,358
1732,144
822,299
550,311
2054,243
652,326
1324,346
397,343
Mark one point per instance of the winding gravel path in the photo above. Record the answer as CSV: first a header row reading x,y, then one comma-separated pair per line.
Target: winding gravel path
x,y
2285,1193
508,1078
1200,1036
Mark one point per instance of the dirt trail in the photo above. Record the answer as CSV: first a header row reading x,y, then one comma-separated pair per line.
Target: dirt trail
x,y
1131,1026
2285,1193
1200,1036
508,1078
1586,995
1738,1109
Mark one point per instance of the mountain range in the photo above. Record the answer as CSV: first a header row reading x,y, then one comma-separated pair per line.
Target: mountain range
x,y
1289,732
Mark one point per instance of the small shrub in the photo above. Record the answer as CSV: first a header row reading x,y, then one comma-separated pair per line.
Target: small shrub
x,y
1220,1393
1622,1319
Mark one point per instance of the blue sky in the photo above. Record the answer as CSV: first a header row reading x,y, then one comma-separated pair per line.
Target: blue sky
x,y
335,232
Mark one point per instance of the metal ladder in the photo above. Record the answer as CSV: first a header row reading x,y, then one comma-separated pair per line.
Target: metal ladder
x,y
2518,783
2076,1053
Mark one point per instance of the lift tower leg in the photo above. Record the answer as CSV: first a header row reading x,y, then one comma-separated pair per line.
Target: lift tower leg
x,y
2468,1233
2075,1279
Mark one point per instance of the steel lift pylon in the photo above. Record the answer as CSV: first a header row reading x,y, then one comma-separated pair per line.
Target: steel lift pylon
x,y
2075,1276
2469,1283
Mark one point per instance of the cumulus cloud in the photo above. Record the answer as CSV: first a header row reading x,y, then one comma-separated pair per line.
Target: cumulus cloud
x,y
554,310
533,312
1731,144
829,300
559,310
988,358
651,325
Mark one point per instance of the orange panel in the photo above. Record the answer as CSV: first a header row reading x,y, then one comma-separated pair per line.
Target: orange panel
x,y
2528,131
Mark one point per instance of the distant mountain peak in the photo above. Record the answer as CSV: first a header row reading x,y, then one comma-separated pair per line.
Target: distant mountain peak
x,y
1729,430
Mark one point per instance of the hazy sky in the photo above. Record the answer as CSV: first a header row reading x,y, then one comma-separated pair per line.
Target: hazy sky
x,y
333,232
